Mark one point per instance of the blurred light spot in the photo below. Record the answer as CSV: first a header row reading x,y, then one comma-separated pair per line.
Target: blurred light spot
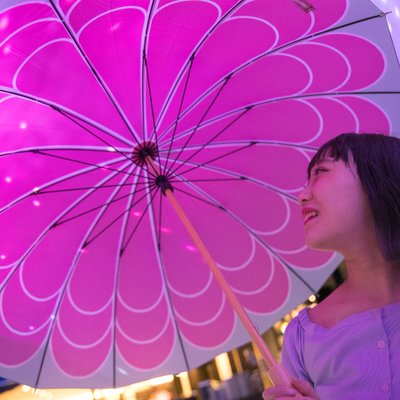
x,y
165,230
397,12
283,327
52,316
136,213
8,179
3,257
7,49
31,327
4,23
25,388
83,251
190,247
36,203
312,299
116,26
122,371
111,149
23,125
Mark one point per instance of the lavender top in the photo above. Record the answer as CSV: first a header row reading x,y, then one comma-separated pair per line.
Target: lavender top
x,y
357,359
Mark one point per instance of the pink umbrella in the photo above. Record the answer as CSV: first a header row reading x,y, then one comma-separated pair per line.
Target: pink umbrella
x,y
109,109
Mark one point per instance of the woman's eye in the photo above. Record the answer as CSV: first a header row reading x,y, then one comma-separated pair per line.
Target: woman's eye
x,y
319,170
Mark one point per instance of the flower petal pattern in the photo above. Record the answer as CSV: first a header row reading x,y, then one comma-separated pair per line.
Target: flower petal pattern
x,y
100,284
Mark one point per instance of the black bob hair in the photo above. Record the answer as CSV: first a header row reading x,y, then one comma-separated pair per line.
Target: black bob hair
x,y
377,161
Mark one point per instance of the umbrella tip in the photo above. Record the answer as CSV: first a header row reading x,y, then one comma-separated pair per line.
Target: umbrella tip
x,y
305,5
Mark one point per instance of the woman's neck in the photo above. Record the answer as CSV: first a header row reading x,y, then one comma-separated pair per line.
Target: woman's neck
x,y
373,277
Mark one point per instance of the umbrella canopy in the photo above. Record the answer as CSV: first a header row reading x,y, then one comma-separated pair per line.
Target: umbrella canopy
x,y
107,105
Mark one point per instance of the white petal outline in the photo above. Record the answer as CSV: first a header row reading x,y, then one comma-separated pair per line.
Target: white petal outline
x,y
208,321
28,25
83,27
93,225
237,111
33,2
71,9
148,341
181,74
82,346
28,57
367,100
341,54
195,294
262,287
58,180
44,233
365,39
22,96
217,86
86,312
140,310
18,332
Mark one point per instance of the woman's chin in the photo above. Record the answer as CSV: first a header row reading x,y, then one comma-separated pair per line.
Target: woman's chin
x,y
318,244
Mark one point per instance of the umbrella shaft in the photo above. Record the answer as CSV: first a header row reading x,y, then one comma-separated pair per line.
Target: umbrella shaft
x,y
276,374
269,359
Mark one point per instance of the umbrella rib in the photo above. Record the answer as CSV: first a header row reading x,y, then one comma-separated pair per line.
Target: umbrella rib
x,y
206,35
166,287
143,69
58,108
93,70
97,207
210,140
38,191
206,180
257,58
93,134
83,188
117,279
213,159
60,299
36,242
178,116
198,124
239,176
254,234
154,192
147,74
285,98
79,161
197,197
114,220
83,198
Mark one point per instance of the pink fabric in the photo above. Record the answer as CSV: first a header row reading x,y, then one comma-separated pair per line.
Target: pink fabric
x,y
260,94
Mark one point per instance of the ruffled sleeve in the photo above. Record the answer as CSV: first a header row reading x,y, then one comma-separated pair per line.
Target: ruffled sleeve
x,y
292,351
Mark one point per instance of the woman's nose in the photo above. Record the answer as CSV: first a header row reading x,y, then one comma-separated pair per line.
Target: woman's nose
x,y
304,196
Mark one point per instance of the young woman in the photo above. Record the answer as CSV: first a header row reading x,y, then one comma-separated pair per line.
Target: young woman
x,y
348,346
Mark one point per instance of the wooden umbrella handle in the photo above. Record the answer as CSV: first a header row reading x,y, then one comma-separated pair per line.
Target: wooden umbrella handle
x,y
275,372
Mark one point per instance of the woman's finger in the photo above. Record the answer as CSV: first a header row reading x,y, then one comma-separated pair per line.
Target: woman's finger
x,y
279,392
305,388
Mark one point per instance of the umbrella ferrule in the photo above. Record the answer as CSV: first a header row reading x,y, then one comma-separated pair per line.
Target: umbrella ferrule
x,y
163,183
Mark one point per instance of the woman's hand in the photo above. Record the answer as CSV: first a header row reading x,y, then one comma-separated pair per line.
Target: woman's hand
x,y
300,389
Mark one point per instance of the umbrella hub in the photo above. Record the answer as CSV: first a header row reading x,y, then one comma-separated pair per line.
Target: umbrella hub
x,y
163,183
143,151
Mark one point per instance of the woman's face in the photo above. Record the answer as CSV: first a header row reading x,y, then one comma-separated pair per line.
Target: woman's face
x,y
335,209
